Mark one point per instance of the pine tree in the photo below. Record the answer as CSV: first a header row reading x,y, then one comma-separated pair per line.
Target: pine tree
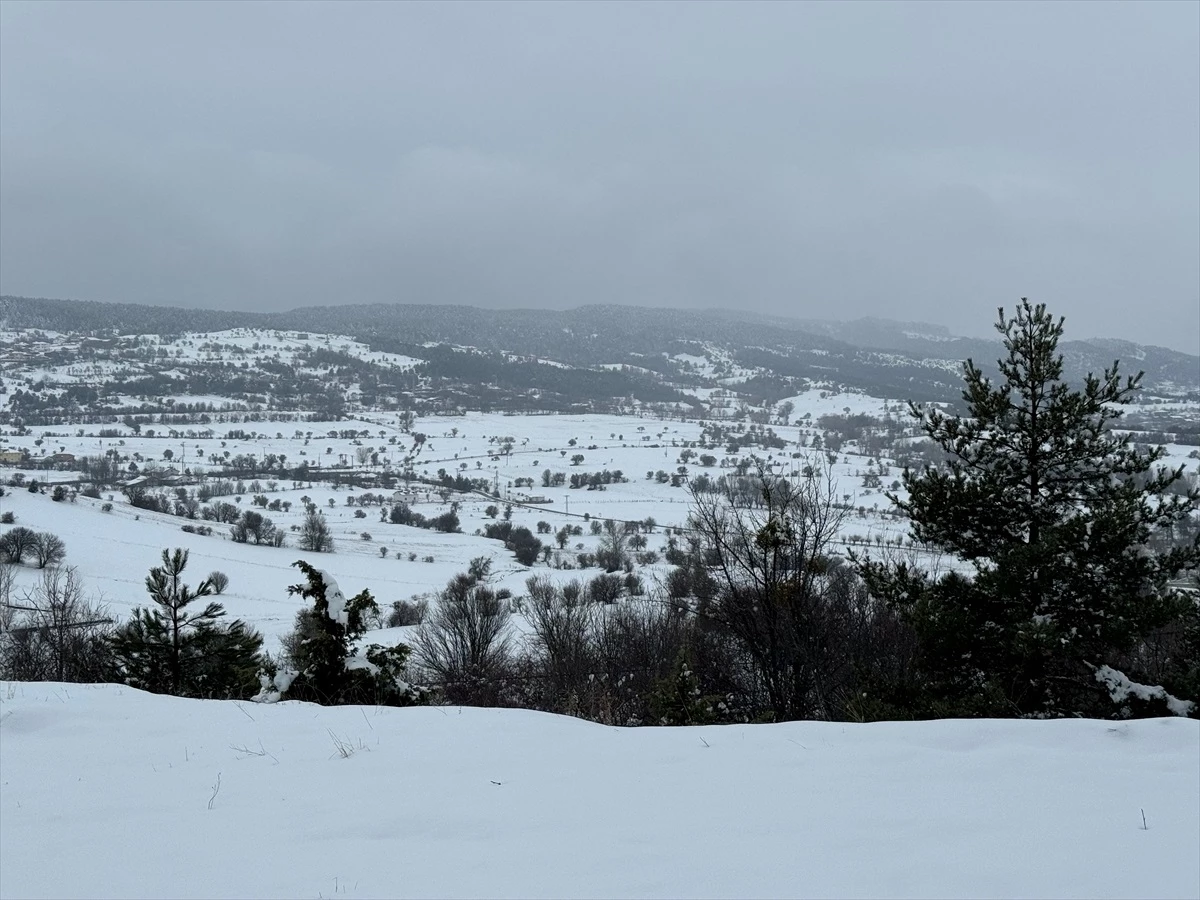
x,y
678,700
1054,512
327,666
170,648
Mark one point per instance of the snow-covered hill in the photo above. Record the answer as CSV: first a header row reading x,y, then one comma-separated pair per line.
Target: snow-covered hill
x,y
109,792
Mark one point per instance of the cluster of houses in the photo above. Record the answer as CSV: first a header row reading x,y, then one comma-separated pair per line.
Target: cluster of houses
x,y
22,458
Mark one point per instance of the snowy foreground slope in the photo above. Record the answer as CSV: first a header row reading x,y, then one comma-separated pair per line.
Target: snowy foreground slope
x,y
110,792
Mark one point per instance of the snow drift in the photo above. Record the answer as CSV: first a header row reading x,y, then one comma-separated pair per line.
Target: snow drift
x,y
109,792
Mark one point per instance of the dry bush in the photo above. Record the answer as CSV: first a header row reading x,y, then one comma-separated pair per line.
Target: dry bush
x,y
464,648
599,662
563,652
804,624
407,612
54,632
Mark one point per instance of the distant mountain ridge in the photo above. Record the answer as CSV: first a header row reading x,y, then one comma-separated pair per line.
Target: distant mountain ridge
x,y
910,359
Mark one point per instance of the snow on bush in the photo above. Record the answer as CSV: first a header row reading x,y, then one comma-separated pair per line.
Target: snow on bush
x,y
336,609
1120,688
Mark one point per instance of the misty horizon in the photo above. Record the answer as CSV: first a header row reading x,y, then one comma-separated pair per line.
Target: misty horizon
x,y
910,162
830,326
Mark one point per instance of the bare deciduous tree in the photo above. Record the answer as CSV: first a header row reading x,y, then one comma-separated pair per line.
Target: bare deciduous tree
x,y
612,552
16,544
48,549
766,541
315,534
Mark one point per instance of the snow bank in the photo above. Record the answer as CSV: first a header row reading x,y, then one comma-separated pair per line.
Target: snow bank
x,y
293,800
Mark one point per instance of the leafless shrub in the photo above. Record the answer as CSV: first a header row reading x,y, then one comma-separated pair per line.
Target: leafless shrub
x,y
407,612
600,662
572,591
800,617
464,647
637,642
562,644
55,633
605,588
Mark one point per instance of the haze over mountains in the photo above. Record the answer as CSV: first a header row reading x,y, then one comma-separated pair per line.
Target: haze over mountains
x,y
918,360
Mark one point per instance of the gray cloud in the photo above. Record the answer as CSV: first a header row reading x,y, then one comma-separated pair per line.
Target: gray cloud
x,y
926,161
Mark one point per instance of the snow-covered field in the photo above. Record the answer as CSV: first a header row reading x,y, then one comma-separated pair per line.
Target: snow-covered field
x,y
114,550
109,792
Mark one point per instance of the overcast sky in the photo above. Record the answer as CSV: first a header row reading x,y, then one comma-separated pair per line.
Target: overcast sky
x,y
916,161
